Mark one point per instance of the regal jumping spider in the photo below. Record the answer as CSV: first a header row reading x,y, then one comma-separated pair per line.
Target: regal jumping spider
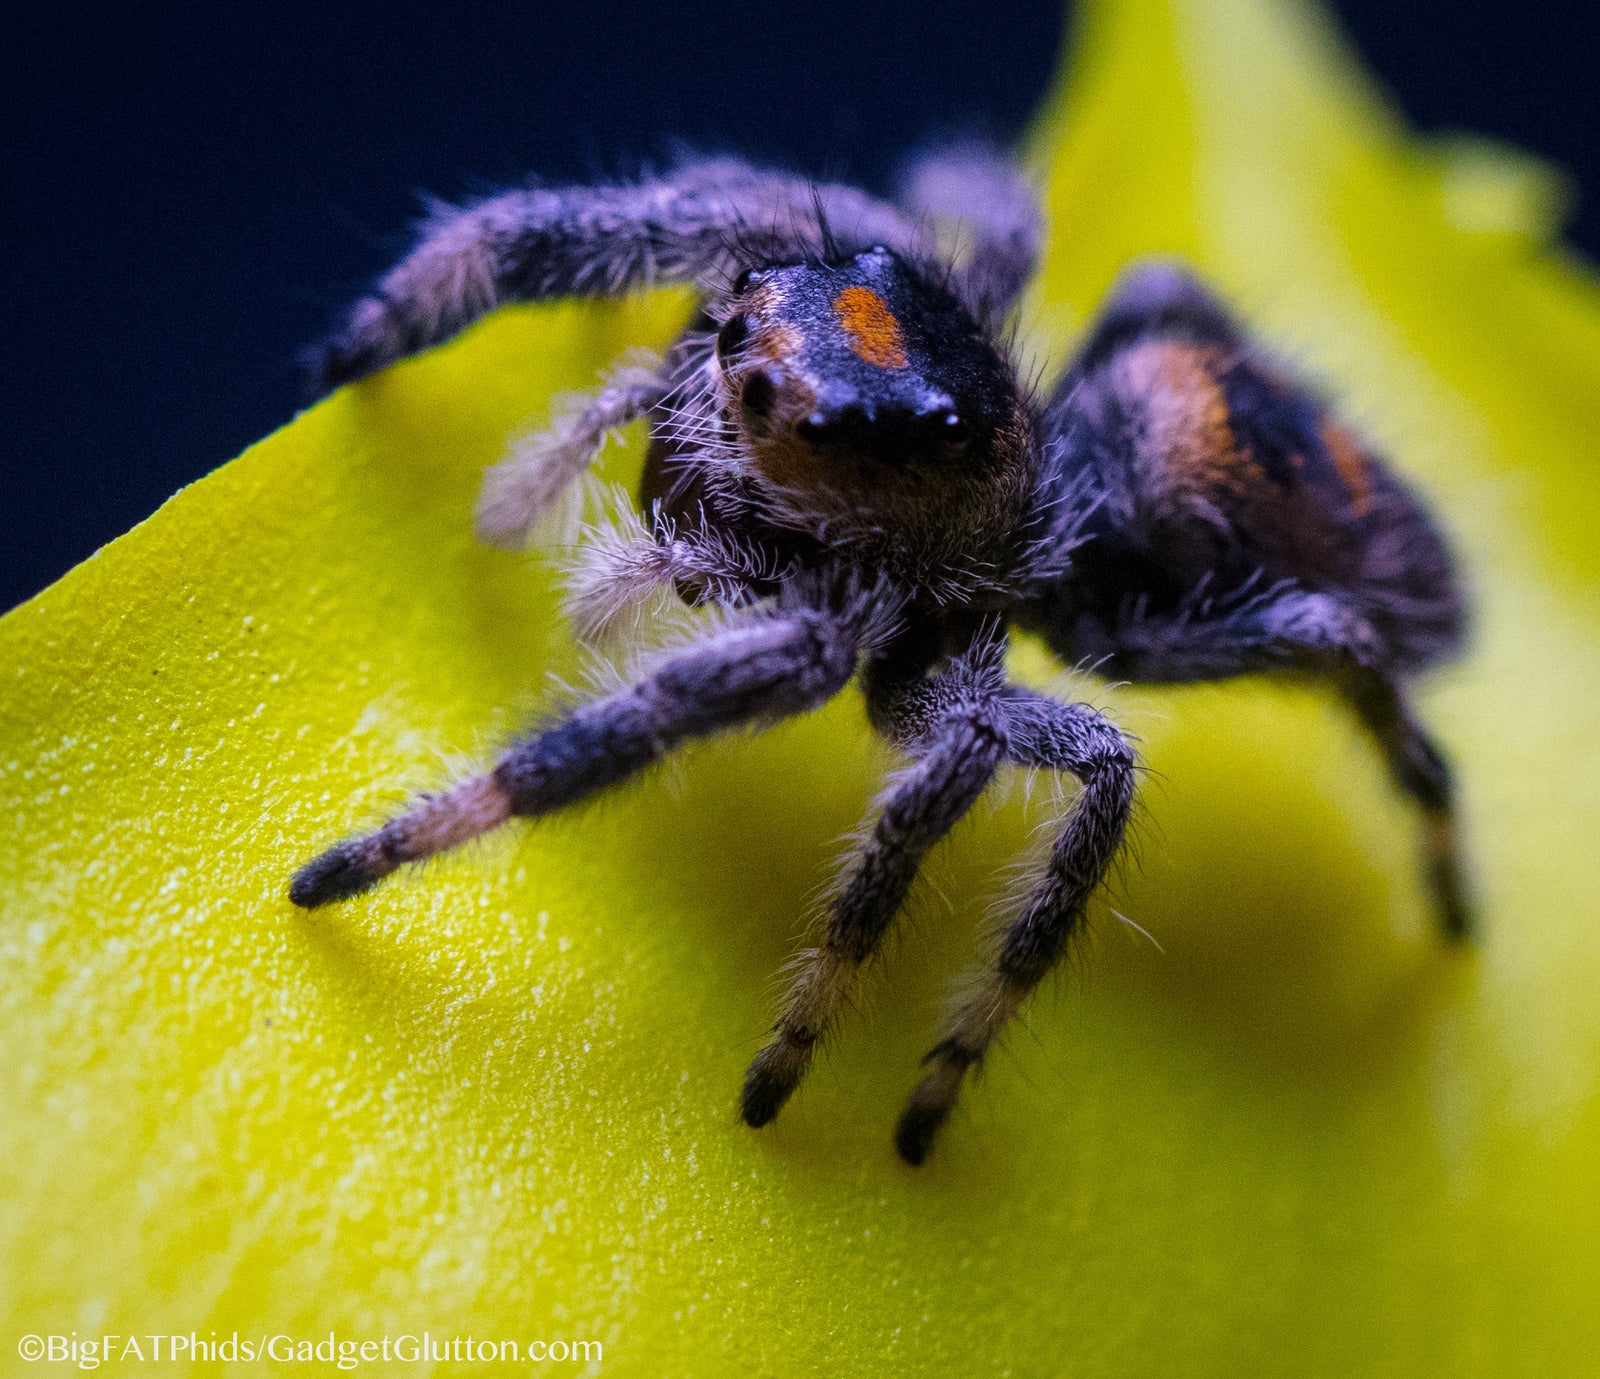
x,y
843,460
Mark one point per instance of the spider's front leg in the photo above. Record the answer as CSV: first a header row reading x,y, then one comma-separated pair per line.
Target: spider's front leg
x,y
952,726
783,662
1062,737
701,221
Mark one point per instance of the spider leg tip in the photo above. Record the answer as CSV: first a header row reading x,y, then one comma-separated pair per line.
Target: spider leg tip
x,y
337,874
764,1093
1458,922
913,1136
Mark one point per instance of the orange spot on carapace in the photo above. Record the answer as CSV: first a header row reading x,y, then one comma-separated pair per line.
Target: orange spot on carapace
x,y
874,333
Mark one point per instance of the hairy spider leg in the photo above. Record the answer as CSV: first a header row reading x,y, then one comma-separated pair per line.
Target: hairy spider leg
x,y
763,667
953,727
1040,732
525,485
1420,770
1322,635
703,220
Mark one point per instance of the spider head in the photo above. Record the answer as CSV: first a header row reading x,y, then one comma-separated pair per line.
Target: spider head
x,y
843,375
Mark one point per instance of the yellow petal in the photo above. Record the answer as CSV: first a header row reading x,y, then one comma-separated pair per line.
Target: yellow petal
x,y
496,1096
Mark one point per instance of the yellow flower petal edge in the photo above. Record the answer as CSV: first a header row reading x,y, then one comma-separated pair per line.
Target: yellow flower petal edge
x,y
496,1097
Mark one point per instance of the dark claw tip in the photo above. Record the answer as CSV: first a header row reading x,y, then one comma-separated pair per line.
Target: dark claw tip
x,y
1457,920
1459,925
913,1137
764,1094
337,874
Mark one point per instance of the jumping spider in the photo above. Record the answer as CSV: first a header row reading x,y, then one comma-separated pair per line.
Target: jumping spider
x,y
843,459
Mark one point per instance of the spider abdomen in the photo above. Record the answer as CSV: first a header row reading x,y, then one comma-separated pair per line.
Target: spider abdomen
x,y
1217,477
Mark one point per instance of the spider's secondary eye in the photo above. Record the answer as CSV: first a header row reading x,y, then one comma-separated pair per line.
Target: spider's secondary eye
x,y
758,395
743,280
735,331
955,429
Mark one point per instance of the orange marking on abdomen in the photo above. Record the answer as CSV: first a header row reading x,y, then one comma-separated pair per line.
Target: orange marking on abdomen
x,y
874,333
1353,466
1187,430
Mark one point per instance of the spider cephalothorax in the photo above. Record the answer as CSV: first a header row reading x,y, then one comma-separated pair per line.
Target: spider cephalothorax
x,y
856,406
841,456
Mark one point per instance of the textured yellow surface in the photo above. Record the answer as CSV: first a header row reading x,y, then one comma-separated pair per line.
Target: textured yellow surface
x,y
497,1095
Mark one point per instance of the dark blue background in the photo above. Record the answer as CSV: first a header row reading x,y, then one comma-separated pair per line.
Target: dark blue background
x,y
188,195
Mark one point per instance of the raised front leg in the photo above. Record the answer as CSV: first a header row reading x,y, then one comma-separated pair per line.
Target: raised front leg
x,y
1062,737
763,668
952,725
705,220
